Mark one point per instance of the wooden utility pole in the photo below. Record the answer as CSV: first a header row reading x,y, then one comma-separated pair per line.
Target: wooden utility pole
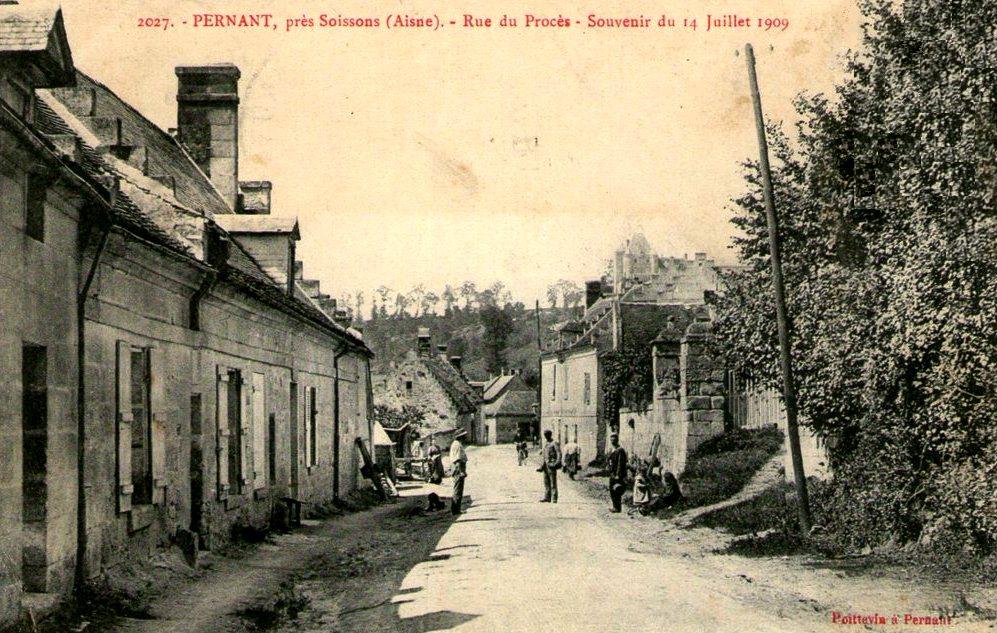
x,y
782,318
540,367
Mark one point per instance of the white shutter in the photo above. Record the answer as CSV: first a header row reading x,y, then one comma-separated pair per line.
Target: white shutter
x,y
124,426
222,436
160,422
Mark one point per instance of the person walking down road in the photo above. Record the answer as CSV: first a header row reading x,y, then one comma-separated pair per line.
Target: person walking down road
x,y
521,451
458,470
551,464
617,462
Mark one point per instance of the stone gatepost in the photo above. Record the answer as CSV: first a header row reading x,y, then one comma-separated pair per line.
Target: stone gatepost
x,y
667,409
702,387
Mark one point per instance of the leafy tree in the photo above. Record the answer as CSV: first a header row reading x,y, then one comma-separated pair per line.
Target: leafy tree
x,y
886,202
429,302
498,326
449,298
396,418
469,293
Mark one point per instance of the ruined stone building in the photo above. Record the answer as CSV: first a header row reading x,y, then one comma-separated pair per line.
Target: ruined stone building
x,y
638,274
432,383
165,374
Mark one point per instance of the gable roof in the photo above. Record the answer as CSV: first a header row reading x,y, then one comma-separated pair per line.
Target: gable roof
x,y
500,384
37,33
516,403
463,395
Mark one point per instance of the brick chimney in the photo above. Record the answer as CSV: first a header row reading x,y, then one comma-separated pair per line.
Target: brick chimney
x,y
424,345
457,361
208,123
441,350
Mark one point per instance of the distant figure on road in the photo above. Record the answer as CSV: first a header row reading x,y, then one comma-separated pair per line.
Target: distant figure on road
x,y
572,459
551,464
522,452
435,464
458,470
617,462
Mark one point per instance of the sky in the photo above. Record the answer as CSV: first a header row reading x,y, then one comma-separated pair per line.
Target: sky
x,y
525,155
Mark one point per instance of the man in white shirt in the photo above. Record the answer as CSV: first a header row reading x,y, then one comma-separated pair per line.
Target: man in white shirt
x,y
458,470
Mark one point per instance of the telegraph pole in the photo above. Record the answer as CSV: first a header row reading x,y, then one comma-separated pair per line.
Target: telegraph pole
x,y
540,367
782,318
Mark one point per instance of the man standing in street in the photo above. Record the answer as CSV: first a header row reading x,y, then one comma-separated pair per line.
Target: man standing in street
x,y
458,470
617,462
551,464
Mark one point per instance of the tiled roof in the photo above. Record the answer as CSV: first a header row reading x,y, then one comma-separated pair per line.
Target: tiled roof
x,y
497,385
517,403
69,114
91,101
24,28
463,395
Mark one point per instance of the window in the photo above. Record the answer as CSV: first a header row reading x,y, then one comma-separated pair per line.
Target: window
x,y
312,413
234,423
553,384
272,449
34,206
588,388
408,387
564,373
259,431
34,464
141,436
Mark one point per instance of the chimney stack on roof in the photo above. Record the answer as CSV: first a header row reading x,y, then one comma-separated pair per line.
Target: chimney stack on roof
x,y
442,349
457,363
208,123
593,292
299,270
255,197
424,346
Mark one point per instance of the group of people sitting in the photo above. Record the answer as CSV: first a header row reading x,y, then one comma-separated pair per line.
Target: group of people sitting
x,y
653,487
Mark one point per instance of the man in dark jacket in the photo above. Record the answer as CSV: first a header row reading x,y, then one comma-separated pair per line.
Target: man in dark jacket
x,y
551,464
617,462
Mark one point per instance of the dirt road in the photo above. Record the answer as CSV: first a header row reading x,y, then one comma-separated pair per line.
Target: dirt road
x,y
510,563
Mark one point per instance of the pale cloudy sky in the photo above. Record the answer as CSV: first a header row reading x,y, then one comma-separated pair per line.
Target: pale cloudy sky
x,y
503,154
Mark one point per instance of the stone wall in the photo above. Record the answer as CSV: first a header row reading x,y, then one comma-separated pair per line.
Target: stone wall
x,y
688,405
38,281
410,383
141,299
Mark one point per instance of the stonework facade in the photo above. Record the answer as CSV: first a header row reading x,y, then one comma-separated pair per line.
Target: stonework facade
x,y
160,384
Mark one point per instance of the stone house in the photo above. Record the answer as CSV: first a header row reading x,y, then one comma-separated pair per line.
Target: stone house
x,y
163,375
432,383
573,374
642,275
506,410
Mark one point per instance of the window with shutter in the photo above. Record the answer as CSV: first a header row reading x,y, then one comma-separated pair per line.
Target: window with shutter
x,y
259,432
245,434
160,422
124,425
307,409
313,431
222,432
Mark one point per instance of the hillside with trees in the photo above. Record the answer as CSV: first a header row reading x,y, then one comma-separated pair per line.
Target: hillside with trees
x,y
485,327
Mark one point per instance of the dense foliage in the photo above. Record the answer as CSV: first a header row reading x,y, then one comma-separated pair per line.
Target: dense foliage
x,y
887,202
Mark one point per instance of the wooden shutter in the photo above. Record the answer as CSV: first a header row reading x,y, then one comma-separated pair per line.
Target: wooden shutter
x,y
160,422
124,424
308,425
222,437
245,433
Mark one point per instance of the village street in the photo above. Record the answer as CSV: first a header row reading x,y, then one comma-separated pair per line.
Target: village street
x,y
510,563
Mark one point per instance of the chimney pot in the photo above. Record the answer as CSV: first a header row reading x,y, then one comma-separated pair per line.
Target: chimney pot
x,y
255,197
